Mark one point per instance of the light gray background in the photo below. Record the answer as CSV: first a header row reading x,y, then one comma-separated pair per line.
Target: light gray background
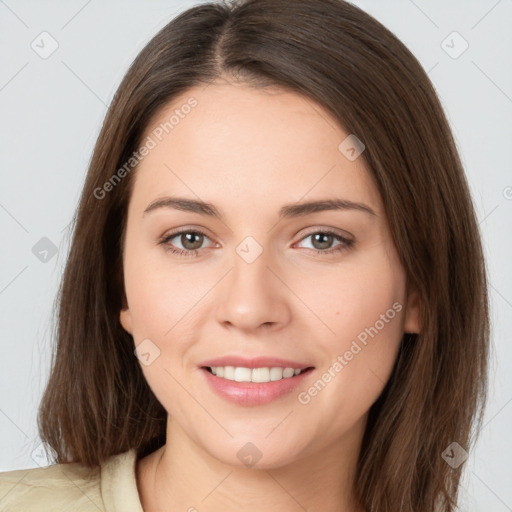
x,y
51,112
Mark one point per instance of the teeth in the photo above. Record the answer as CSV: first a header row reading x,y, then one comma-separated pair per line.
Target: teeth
x,y
241,374
260,375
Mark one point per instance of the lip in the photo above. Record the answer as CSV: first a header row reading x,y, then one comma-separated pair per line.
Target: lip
x,y
256,362
250,394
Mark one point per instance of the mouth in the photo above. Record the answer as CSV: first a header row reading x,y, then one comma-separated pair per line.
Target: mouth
x,y
258,375
254,381
255,385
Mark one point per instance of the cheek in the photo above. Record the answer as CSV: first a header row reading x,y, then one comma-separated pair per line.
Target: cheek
x,y
159,295
361,307
161,301
349,297
365,309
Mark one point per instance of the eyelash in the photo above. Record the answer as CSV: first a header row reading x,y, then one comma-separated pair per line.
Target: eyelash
x,y
346,243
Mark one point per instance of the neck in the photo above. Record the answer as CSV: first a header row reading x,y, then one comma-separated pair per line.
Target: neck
x,y
181,475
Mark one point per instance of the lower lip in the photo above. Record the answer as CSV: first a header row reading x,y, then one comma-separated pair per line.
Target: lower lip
x,y
253,393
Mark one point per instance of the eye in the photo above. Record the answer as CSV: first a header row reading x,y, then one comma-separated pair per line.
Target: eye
x,y
191,241
322,240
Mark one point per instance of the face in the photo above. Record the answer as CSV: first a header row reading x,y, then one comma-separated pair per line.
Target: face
x,y
256,280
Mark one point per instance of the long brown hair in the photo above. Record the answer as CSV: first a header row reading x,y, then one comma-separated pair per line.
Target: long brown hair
x,y
97,402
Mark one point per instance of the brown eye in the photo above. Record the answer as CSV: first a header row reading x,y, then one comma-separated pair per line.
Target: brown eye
x,y
322,242
191,240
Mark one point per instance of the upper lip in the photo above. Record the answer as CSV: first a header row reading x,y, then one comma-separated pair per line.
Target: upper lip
x,y
255,362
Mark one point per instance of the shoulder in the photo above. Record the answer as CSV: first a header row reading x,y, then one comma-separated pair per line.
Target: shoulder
x,y
63,487
57,487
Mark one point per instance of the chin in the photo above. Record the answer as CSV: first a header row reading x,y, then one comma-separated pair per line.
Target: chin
x,y
257,452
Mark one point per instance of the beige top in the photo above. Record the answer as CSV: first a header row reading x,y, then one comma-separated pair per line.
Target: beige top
x,y
112,487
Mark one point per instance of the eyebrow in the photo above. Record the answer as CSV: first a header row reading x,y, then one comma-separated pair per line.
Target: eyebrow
x,y
287,211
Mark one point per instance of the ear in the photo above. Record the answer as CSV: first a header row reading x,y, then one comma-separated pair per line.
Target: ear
x,y
412,322
125,317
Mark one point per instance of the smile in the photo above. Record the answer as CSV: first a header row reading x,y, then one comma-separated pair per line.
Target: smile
x,y
254,386
262,374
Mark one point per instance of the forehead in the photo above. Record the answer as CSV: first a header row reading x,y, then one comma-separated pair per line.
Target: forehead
x,y
235,143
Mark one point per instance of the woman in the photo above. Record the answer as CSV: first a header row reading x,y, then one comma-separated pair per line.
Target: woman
x,y
275,296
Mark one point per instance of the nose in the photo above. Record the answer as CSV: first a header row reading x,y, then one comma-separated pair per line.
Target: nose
x,y
253,295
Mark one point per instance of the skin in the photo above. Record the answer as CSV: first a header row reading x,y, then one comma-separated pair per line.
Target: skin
x,y
248,152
